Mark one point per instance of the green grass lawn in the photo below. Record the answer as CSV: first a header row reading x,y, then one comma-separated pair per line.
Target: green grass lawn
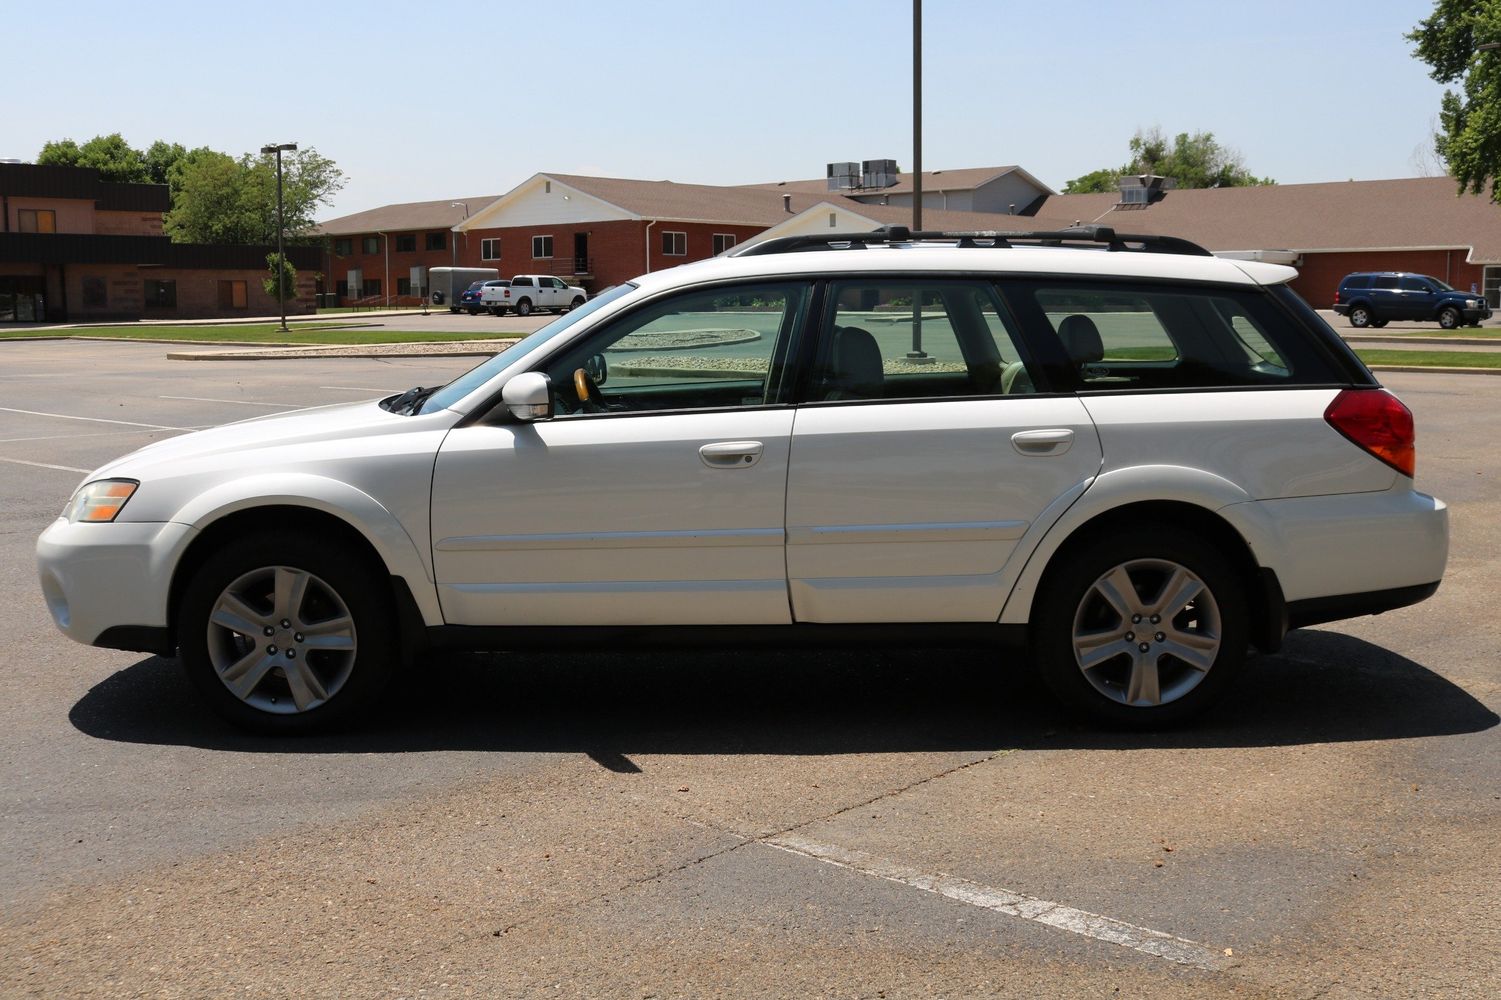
x,y
267,333
1433,359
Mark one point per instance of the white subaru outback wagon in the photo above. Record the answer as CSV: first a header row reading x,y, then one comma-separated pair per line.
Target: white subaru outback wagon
x,y
1136,458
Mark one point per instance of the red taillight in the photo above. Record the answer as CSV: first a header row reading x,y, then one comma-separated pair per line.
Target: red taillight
x,y
1378,422
1336,298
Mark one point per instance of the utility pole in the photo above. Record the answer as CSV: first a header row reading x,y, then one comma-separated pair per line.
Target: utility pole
x,y
916,116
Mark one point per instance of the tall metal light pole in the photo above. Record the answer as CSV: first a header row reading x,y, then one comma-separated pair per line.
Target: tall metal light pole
x,y
916,115
281,258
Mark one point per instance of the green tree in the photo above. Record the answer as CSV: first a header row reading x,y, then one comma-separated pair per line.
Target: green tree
x,y
111,155
161,158
1469,137
223,200
288,278
1194,160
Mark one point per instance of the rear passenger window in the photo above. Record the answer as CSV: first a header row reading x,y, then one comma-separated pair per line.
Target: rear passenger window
x,y
1120,337
896,339
1385,281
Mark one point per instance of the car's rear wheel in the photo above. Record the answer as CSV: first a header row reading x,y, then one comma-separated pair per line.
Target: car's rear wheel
x,y
578,300
287,633
524,307
1141,630
1449,318
1360,316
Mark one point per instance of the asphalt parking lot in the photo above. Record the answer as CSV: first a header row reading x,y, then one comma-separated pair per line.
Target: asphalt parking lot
x,y
887,823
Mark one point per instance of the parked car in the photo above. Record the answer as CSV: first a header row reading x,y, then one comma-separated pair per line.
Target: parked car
x,y
474,300
529,292
1132,458
447,284
1375,298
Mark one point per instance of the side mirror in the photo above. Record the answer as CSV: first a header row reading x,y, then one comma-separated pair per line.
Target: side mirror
x,y
528,396
598,369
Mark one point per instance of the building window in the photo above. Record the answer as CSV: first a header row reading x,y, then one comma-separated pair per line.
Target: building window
x,y
437,241
541,247
489,249
547,187
372,287
94,295
370,244
722,242
833,220
160,294
403,286
37,220
406,243
343,248
341,289
233,295
674,244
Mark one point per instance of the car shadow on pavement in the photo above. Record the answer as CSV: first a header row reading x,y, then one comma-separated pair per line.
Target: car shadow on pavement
x,y
1324,687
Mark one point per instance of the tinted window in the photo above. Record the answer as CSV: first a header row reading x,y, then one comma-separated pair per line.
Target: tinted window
x,y
708,348
527,282
1385,281
890,338
1116,336
1415,284
1358,281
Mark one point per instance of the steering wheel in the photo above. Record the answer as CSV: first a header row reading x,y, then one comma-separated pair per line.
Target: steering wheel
x,y
587,391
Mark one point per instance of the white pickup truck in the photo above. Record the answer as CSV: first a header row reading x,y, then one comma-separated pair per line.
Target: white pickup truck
x,y
529,292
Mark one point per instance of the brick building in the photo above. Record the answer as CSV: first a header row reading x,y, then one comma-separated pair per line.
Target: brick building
x,y
382,256
76,248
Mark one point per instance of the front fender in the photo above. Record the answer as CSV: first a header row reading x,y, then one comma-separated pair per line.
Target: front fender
x,y
349,504
1112,490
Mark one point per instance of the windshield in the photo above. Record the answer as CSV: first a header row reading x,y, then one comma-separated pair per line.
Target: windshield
x,y
477,284
1443,286
486,370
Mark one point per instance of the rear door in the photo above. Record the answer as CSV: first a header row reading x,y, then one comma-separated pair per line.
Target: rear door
x,y
923,453
1386,297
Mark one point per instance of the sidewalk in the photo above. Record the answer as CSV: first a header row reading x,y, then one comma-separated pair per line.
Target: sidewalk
x,y
344,317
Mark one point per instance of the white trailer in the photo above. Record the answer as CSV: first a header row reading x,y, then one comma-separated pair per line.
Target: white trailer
x,y
446,284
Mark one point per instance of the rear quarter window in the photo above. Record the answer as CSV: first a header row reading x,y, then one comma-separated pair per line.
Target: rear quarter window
x,y
1110,337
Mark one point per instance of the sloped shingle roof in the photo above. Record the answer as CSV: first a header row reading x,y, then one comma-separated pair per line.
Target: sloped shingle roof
x,y
440,214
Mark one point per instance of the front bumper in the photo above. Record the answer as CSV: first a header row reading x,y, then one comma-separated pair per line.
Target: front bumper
x,y
114,578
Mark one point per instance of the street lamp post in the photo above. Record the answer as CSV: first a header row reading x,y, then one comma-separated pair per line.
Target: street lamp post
x,y
281,259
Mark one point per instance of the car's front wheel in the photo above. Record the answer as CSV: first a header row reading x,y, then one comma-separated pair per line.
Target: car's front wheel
x,y
1141,630
1449,318
287,633
1360,316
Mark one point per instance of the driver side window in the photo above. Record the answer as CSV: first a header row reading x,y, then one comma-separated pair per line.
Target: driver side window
x,y
706,349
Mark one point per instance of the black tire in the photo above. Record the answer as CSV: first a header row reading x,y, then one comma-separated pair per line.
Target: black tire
x,y
353,681
1379,323
1449,318
454,310
523,307
1361,316
1473,322
1068,602
578,300
474,312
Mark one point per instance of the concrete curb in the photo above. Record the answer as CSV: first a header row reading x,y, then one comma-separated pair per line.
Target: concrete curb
x,y
304,352
1398,339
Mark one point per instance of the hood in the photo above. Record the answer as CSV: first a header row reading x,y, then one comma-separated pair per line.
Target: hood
x,y
276,433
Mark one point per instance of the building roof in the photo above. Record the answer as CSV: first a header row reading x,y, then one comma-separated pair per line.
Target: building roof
x,y
1409,213
84,184
440,214
669,200
966,179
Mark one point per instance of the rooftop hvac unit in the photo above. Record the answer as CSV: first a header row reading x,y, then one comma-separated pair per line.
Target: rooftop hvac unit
x,y
843,176
878,173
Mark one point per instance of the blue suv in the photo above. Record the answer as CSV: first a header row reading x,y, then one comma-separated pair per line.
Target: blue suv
x,y
1374,298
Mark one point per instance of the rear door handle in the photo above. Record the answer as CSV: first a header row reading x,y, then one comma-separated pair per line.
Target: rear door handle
x,y
731,454
1054,441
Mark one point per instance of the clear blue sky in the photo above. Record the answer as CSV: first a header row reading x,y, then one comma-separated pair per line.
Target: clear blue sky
x,y
420,101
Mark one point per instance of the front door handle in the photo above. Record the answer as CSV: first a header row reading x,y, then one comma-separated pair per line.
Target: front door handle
x,y
731,454
1046,442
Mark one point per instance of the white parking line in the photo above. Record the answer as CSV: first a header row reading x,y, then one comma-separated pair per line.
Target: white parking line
x,y
44,465
1042,911
69,437
97,420
241,402
355,388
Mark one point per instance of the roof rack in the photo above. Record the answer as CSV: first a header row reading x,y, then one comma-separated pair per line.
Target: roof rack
x,y
887,235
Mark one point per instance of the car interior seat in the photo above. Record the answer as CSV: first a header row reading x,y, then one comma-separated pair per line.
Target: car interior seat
x,y
855,370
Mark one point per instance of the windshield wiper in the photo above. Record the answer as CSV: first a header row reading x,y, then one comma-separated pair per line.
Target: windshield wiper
x,y
408,402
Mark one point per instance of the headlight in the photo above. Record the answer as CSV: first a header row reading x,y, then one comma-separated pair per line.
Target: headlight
x,y
102,500
1472,303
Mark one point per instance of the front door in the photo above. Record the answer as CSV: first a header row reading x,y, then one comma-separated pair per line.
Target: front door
x,y
656,493
581,253
923,456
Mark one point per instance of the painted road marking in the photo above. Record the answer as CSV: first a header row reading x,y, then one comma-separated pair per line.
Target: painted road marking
x,y
97,420
44,465
70,437
1015,904
241,402
355,388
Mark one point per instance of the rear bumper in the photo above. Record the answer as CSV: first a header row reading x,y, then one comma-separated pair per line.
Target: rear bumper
x,y
1317,610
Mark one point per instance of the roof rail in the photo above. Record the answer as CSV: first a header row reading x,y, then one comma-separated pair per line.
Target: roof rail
x,y
887,235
